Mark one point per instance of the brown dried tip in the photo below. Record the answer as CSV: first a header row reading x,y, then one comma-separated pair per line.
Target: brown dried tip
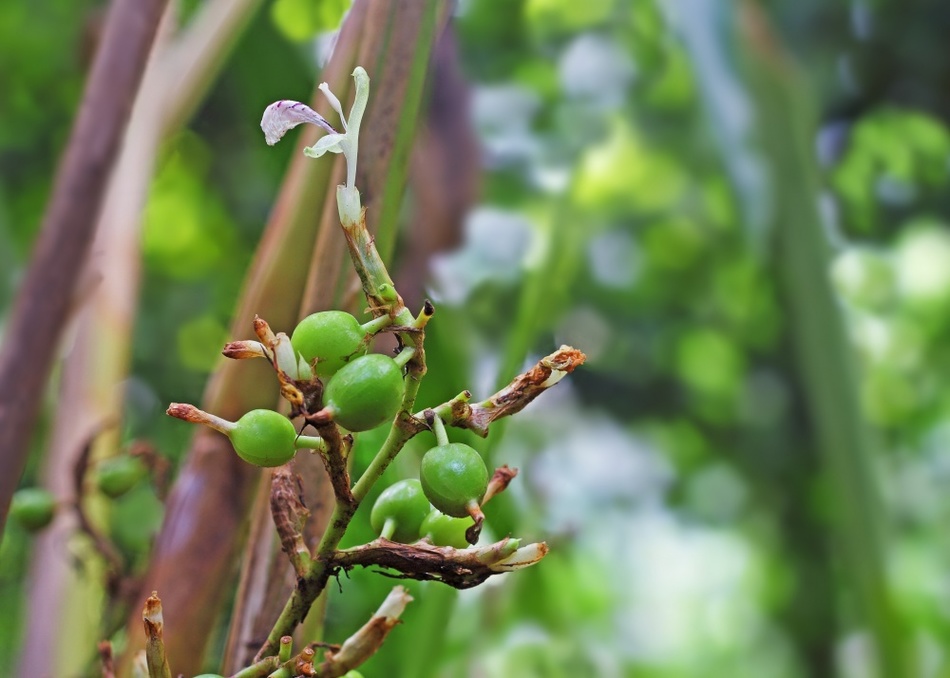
x,y
499,482
183,411
263,331
243,350
105,657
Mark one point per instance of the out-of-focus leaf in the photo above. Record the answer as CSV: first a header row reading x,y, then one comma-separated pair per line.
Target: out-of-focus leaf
x,y
300,20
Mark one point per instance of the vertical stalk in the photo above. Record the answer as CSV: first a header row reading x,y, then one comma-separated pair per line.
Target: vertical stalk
x,y
784,125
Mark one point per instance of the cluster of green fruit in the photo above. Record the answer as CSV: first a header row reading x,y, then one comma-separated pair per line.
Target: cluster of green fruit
x,y
33,507
453,479
361,390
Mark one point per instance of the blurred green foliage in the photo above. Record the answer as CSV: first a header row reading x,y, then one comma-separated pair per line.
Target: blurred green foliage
x,y
675,476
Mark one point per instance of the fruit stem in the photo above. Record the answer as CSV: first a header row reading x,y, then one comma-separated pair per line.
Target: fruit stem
x,y
286,649
405,355
389,528
376,324
438,427
311,443
472,534
192,414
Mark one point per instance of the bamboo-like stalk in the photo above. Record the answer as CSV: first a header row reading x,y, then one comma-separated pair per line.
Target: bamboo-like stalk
x,y
99,359
45,295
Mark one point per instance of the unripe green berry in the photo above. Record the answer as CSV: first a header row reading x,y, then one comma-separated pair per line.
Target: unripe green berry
x,y
33,508
332,338
264,438
443,530
353,673
454,478
118,475
403,503
365,392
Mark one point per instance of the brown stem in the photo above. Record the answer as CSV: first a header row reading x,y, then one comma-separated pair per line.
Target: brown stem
x,y
290,516
515,396
42,304
459,568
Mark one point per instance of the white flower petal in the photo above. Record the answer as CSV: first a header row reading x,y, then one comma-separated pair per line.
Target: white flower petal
x,y
334,102
331,143
284,115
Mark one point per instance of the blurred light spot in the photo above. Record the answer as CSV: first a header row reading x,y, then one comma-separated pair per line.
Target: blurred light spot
x,y
595,68
613,259
494,248
923,263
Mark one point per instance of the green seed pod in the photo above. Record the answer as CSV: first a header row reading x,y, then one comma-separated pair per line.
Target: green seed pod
x,y
454,478
118,475
443,530
33,508
332,338
365,392
399,511
264,438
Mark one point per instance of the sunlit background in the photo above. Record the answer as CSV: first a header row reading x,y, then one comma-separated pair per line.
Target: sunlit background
x,y
646,170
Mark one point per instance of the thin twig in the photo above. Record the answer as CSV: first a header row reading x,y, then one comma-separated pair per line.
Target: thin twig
x,y
367,640
115,565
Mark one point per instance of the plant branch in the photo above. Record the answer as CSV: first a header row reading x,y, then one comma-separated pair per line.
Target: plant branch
x,y
363,644
514,397
459,568
290,515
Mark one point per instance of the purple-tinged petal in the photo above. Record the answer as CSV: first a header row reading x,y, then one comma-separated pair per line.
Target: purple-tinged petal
x,y
284,115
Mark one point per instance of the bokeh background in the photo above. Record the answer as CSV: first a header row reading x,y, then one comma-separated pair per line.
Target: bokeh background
x,y
738,210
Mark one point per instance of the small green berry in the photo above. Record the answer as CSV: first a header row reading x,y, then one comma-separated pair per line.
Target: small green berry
x,y
118,475
33,508
332,338
454,478
264,438
353,673
443,530
399,511
365,392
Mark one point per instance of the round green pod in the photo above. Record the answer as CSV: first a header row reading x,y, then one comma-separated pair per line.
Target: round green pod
x,y
443,530
264,438
406,505
454,477
332,338
118,475
33,508
365,392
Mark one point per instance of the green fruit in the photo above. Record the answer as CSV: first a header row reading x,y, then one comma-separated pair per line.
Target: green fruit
x,y
365,392
406,506
353,673
332,338
454,478
33,508
264,438
443,530
118,475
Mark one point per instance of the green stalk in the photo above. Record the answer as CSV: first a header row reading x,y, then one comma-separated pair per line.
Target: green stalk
x,y
785,125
